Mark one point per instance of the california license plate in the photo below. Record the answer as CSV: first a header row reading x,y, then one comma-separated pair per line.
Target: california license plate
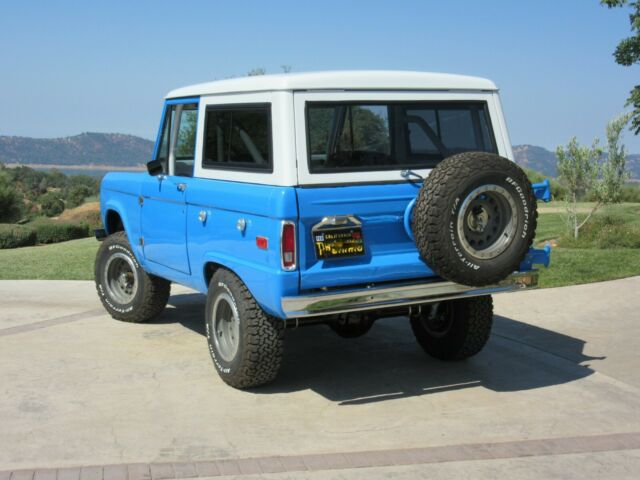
x,y
338,242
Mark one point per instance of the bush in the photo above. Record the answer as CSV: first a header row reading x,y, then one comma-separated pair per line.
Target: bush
x,y
54,232
558,192
605,231
14,236
10,202
51,204
630,193
77,195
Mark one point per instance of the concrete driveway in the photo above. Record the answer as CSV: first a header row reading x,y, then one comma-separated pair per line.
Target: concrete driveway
x,y
556,393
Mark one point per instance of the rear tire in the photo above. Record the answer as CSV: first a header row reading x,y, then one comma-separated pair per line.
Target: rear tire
x,y
245,343
352,325
126,291
456,329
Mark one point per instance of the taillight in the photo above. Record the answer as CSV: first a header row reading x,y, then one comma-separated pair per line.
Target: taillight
x,y
288,246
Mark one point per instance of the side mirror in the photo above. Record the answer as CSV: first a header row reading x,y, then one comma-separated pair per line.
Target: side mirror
x,y
154,167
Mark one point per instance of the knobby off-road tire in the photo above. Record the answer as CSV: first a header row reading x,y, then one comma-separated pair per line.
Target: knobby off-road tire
x,y
475,218
245,343
127,292
456,329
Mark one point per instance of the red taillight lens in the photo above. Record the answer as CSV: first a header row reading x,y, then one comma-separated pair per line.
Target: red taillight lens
x,y
288,246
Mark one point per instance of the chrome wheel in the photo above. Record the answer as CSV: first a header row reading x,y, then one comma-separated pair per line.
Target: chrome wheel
x,y
121,278
226,327
487,221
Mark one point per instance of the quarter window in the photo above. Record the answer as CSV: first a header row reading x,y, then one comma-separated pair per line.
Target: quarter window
x,y
238,137
186,141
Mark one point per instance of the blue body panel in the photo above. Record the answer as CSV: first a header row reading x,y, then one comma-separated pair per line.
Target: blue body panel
x,y
178,245
165,241
390,253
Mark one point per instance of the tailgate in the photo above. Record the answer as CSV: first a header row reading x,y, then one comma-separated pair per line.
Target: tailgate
x,y
389,253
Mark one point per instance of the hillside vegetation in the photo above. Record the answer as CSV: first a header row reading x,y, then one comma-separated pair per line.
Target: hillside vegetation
x,y
85,149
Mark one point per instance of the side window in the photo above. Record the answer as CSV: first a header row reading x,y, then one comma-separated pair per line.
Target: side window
x,y
184,151
238,137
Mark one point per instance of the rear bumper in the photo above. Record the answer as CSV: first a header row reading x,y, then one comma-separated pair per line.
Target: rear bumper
x,y
331,303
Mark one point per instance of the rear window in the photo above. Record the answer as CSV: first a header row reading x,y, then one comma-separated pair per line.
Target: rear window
x,y
344,137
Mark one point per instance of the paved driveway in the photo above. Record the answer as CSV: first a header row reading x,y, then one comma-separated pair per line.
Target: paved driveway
x,y
556,392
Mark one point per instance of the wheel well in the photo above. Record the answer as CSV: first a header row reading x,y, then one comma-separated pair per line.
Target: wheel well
x,y
114,222
209,269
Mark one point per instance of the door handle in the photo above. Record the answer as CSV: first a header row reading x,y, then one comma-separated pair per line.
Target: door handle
x,y
182,187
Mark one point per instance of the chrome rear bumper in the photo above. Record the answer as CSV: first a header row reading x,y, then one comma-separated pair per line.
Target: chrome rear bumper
x,y
374,298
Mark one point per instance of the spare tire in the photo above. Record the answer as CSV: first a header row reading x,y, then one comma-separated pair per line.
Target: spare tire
x,y
475,218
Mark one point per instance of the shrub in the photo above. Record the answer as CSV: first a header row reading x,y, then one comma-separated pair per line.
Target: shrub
x,y
54,232
605,231
558,192
10,203
14,236
51,204
77,195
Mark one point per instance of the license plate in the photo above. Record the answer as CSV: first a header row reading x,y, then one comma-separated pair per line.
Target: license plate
x,y
338,242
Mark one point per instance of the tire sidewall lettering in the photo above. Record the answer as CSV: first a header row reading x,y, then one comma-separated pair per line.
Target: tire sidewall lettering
x,y
220,364
116,307
525,205
454,237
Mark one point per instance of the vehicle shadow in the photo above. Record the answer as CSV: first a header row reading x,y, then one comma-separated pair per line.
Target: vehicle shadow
x,y
387,363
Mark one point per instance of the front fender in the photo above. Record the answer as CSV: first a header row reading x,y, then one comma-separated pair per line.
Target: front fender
x,y
126,206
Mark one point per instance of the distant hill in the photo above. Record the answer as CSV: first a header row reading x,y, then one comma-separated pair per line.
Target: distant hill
x,y
544,161
117,149
113,149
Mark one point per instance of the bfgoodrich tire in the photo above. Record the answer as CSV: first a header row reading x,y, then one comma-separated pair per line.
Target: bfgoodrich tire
x,y
245,343
127,292
456,329
475,218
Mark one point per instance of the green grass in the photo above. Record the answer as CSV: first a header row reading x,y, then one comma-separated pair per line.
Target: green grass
x,y
572,266
592,261
71,260
569,266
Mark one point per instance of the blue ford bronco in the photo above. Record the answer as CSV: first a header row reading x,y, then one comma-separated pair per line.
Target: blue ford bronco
x,y
336,198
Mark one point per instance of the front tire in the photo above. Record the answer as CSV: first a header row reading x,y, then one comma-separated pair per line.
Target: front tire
x,y
126,291
245,343
455,329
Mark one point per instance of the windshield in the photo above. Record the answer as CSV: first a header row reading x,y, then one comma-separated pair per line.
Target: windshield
x,y
347,137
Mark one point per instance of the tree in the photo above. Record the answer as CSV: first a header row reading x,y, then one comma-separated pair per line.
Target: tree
x,y
254,72
583,168
613,171
52,205
77,195
10,203
627,53
578,170
285,68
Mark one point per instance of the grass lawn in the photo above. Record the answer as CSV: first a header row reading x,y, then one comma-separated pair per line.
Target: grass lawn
x,y
569,266
71,260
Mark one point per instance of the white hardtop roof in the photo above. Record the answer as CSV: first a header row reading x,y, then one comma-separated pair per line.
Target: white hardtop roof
x,y
338,80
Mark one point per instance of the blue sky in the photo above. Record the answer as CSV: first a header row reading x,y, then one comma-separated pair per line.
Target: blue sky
x,y
68,67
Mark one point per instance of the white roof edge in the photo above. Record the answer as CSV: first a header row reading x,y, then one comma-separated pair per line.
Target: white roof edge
x,y
338,80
